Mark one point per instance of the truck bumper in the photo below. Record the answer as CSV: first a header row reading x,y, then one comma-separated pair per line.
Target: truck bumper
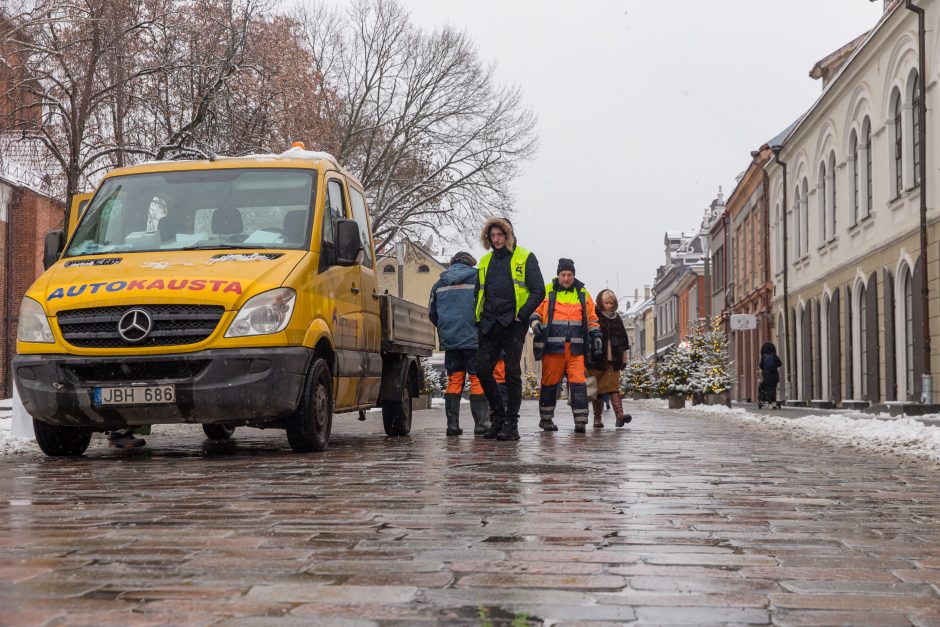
x,y
213,386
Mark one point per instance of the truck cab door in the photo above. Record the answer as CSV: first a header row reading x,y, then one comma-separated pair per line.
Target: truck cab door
x,y
341,286
76,209
370,324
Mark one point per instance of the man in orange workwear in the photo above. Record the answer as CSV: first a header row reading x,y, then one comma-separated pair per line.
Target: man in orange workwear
x,y
565,327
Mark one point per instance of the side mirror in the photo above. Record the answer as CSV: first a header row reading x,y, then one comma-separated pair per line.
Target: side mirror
x,y
348,242
52,247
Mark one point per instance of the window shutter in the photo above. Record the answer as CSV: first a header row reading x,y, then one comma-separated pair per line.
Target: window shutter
x,y
871,313
835,354
891,379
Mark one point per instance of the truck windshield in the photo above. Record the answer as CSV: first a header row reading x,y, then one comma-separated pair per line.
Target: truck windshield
x,y
198,209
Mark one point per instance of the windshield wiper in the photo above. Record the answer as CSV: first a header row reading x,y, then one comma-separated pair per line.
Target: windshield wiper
x,y
218,247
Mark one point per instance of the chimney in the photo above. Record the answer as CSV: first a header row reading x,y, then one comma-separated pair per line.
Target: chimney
x,y
636,295
646,292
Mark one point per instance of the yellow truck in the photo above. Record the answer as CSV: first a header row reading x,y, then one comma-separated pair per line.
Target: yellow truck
x,y
227,292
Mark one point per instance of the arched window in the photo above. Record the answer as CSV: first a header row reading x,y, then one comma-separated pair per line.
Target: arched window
x,y
866,135
797,237
862,339
822,193
389,269
898,146
804,207
832,199
854,178
915,128
423,269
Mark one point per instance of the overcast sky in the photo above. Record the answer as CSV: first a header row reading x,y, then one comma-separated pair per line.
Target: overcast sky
x,y
645,108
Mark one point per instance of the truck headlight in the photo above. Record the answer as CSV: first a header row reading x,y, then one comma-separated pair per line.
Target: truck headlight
x,y
268,312
33,325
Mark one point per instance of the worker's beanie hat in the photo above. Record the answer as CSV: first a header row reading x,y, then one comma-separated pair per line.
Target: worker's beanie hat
x,y
464,258
565,264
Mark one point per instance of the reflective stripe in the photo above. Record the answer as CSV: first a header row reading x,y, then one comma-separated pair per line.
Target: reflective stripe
x,y
462,286
557,338
567,323
520,284
577,340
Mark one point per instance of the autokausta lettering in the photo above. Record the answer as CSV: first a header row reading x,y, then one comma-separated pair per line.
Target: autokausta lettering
x,y
194,285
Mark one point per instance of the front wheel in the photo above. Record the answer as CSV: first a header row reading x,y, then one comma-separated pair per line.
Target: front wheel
x,y
396,416
218,432
59,441
308,429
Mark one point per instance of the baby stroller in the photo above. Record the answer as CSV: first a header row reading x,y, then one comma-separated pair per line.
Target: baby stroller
x,y
767,394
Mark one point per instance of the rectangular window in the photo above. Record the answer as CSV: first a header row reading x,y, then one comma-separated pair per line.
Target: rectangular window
x,y
361,216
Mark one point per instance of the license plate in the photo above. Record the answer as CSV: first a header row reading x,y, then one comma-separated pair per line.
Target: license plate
x,y
136,395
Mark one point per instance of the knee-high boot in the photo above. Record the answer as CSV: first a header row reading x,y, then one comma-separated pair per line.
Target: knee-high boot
x,y
616,402
598,405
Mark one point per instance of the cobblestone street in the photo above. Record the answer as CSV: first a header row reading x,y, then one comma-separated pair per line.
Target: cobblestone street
x,y
672,519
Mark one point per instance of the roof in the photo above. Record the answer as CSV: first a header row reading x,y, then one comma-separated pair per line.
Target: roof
x,y
832,62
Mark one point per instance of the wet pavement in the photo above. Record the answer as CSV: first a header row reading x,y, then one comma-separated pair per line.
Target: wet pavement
x,y
673,519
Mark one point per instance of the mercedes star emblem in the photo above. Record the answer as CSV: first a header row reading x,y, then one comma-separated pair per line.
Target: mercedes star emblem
x,y
135,325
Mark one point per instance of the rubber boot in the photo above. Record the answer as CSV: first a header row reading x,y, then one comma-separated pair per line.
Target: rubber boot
x,y
481,413
547,424
452,411
496,425
598,405
509,430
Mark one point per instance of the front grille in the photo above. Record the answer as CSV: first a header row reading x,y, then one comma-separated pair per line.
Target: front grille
x,y
172,325
137,370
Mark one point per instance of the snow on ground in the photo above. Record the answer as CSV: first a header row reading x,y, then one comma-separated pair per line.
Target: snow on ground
x,y
10,444
903,437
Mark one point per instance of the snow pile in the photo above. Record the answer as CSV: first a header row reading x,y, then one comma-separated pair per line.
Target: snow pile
x,y
9,443
237,257
903,437
163,265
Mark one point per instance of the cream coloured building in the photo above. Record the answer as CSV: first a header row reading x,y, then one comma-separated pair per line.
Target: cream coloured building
x,y
854,258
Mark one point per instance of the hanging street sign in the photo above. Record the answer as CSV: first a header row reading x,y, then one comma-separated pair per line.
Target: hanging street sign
x,y
743,322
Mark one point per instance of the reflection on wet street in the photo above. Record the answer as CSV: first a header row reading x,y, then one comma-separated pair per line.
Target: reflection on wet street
x,y
672,519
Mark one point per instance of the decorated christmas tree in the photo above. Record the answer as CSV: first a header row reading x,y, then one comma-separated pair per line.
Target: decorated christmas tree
x,y
637,379
673,377
712,370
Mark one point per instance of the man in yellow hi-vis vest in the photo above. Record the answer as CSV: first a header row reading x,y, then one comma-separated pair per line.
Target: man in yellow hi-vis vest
x,y
510,288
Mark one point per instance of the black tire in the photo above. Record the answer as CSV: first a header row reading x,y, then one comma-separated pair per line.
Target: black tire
x,y
396,416
309,428
59,441
218,432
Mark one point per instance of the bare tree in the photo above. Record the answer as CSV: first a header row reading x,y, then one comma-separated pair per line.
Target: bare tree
x,y
419,118
68,51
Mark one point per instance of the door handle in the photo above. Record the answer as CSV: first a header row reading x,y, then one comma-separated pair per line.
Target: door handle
x,y
354,289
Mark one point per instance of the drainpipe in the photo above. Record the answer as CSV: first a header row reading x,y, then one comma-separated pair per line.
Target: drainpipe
x,y
926,395
786,274
15,195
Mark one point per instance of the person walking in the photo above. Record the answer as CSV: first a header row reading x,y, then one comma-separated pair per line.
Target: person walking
x,y
509,288
769,376
451,309
606,369
565,327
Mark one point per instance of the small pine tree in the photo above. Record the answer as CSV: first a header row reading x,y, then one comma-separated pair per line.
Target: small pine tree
x,y
432,380
675,372
713,370
531,384
637,379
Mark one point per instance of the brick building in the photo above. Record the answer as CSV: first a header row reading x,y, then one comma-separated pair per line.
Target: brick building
x,y
25,218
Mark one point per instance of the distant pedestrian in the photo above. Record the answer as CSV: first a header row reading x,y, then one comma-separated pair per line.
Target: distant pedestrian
x,y
566,328
769,376
606,369
452,312
510,287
